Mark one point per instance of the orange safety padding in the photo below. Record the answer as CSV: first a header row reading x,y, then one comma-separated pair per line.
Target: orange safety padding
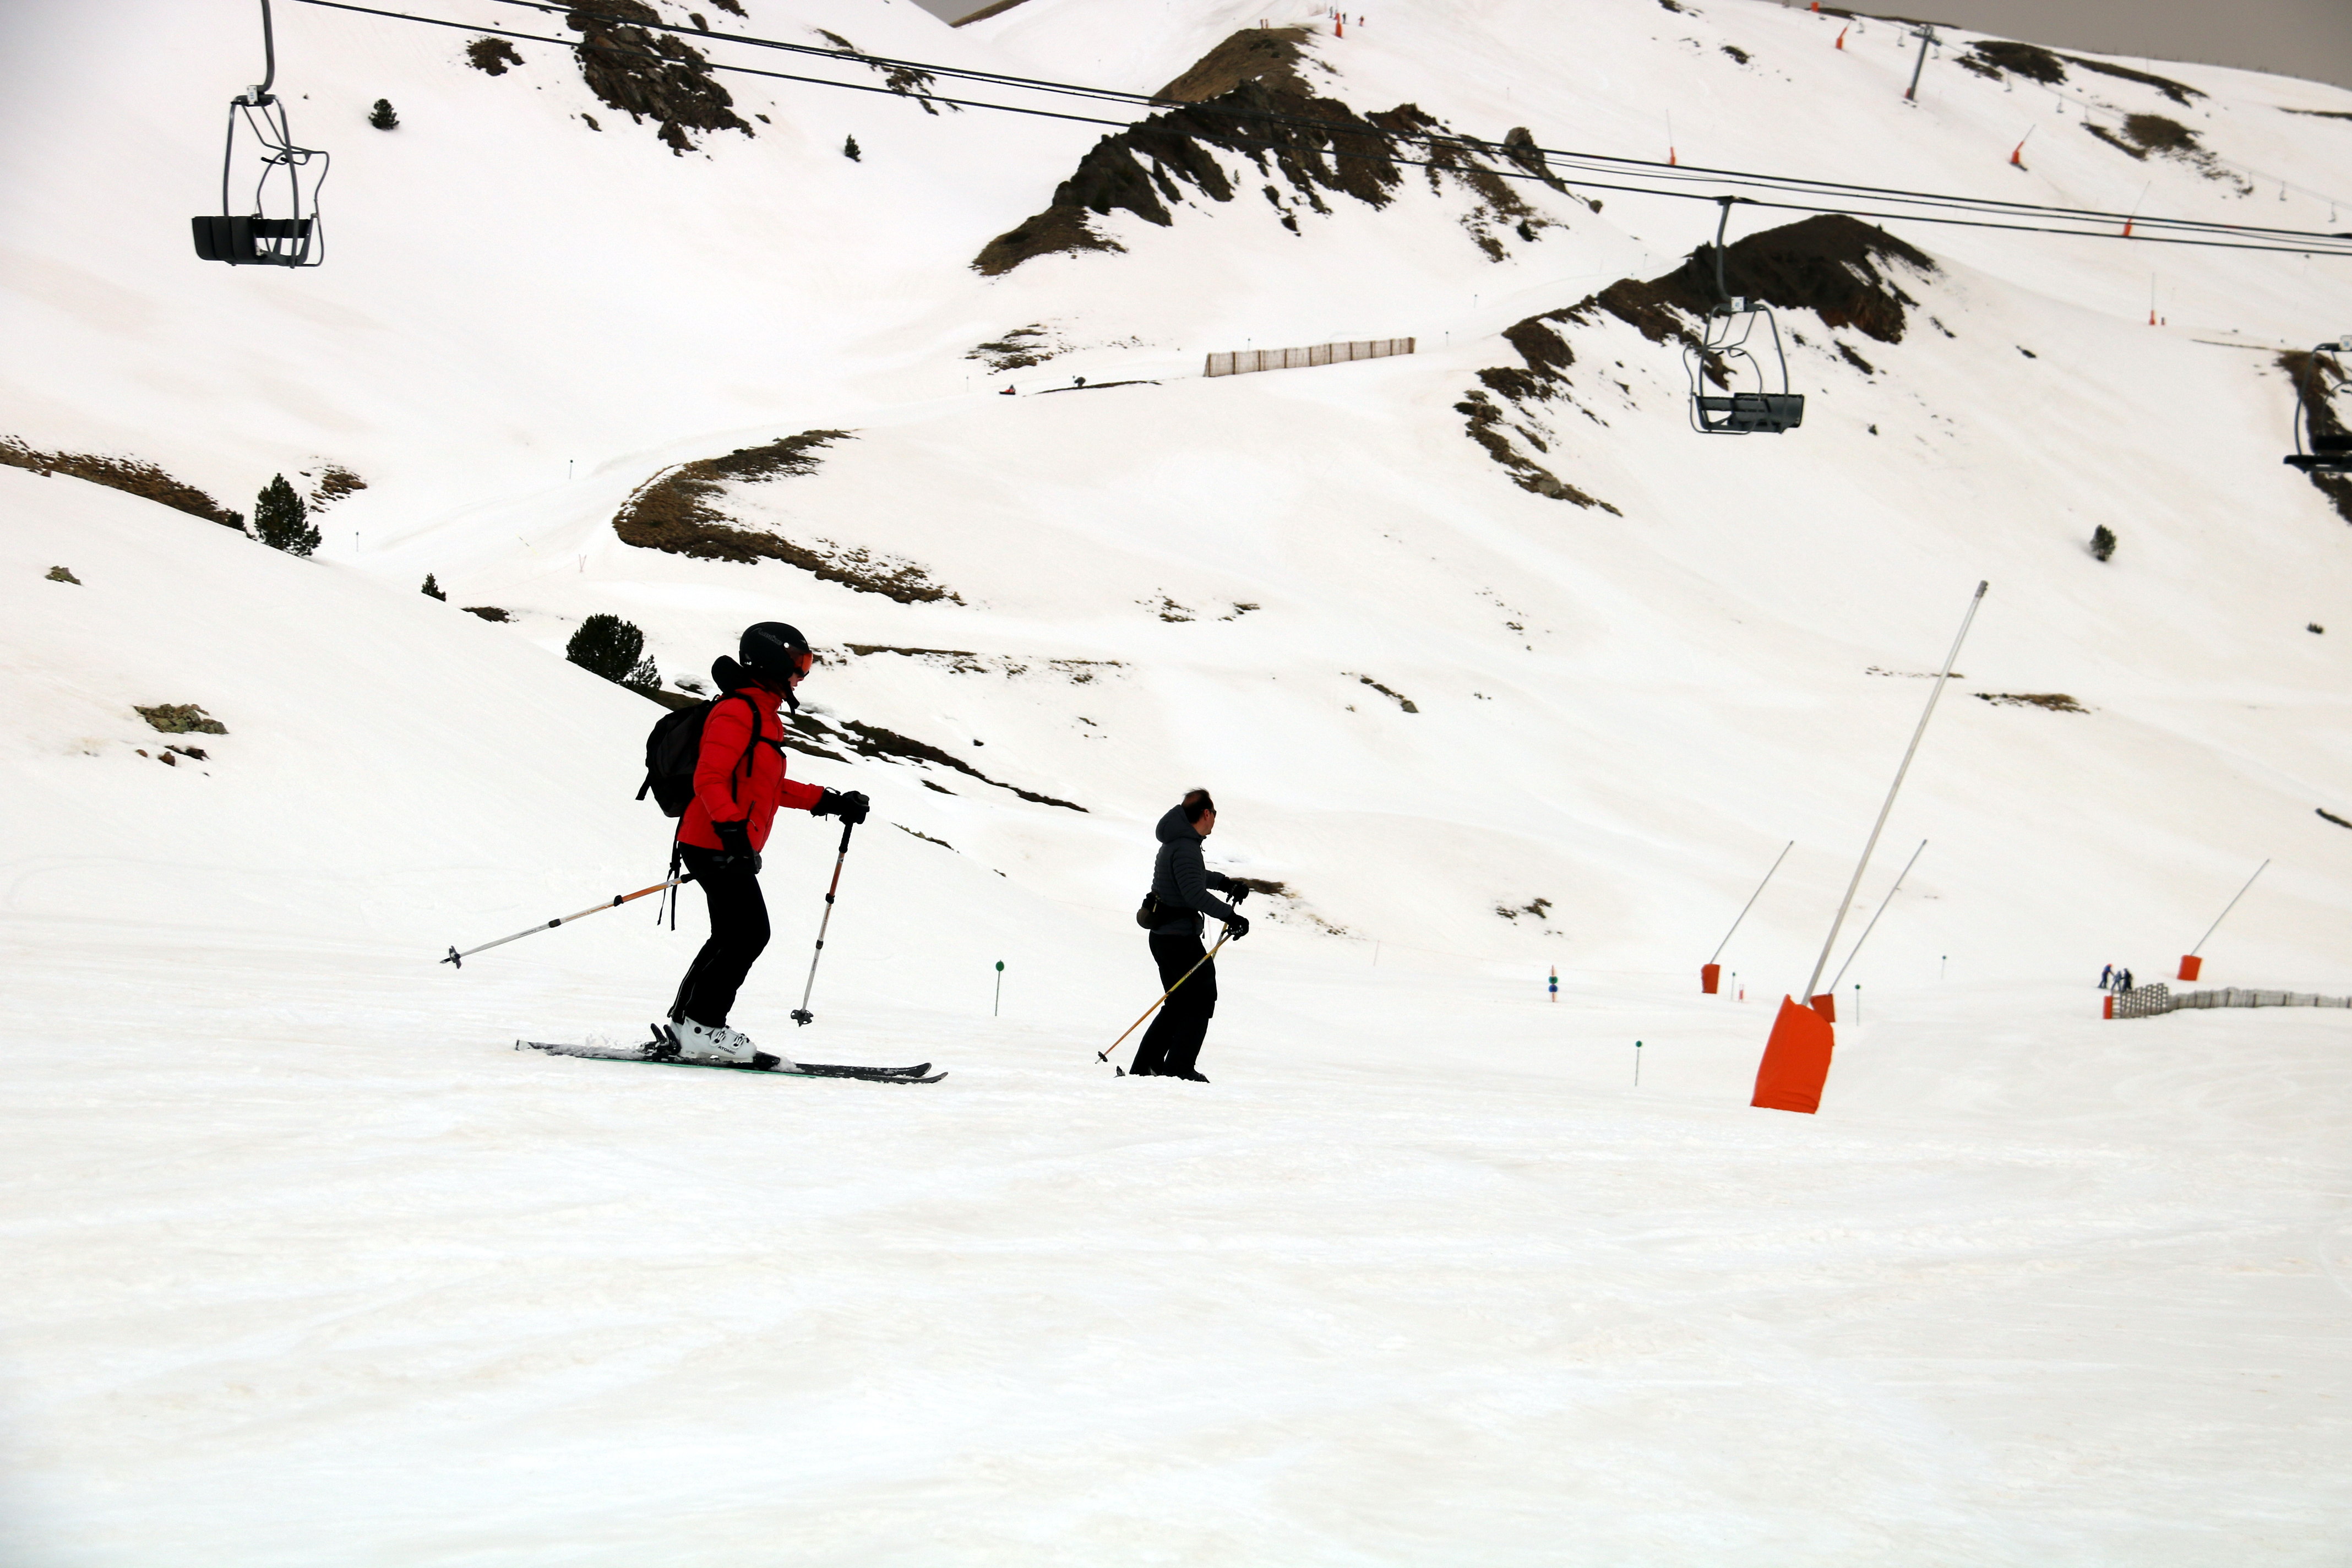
x,y
1796,1060
1826,1005
1708,974
2107,1010
2190,966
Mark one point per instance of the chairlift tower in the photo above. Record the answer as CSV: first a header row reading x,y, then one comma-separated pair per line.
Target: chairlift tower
x,y
1928,39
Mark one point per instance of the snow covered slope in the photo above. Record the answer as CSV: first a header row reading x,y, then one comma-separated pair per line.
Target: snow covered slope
x,y
321,1270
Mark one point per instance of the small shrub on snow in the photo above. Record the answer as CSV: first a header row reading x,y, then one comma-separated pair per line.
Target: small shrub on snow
x,y
383,116
849,151
614,649
59,575
431,590
2103,543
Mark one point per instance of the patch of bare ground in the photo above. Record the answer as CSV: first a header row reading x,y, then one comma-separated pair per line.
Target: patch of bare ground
x,y
1836,267
650,75
675,510
2319,407
1018,349
1249,98
906,82
331,482
492,57
873,741
130,475
963,661
1398,698
2054,701
1993,56
2141,134
2321,113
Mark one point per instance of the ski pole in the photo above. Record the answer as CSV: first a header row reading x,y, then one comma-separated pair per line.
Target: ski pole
x,y
1104,1055
458,959
800,1014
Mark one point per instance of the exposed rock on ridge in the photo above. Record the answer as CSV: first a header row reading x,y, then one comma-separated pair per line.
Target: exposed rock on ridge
x,y
651,76
1249,97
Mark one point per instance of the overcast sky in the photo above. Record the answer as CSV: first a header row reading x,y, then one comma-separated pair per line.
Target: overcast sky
x,y
2309,38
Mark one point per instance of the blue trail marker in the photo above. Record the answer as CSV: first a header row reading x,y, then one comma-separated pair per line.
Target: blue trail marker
x,y
1555,982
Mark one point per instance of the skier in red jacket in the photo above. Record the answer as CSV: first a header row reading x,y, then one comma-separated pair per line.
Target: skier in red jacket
x,y
739,784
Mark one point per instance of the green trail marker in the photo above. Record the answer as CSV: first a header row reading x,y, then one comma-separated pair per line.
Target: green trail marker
x,y
997,1007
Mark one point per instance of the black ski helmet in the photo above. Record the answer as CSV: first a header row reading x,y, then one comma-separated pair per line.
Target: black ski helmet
x,y
775,652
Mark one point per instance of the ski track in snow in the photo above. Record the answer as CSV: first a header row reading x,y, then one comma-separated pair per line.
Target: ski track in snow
x,y
307,1265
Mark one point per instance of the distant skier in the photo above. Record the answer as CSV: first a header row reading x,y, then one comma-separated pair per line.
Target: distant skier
x,y
1181,887
2123,980
2107,975
739,787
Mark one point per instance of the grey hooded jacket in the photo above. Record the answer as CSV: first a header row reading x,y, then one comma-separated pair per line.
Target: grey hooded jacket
x,y
1179,879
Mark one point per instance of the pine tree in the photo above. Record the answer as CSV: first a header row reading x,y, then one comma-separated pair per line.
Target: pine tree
x,y
2103,543
433,589
281,522
849,151
614,649
382,117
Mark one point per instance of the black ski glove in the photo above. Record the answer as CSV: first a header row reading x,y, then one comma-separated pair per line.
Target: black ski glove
x,y
1237,927
850,807
735,851
1235,892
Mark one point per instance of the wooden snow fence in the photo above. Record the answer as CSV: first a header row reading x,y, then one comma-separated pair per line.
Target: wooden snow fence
x,y
1243,361
2148,1001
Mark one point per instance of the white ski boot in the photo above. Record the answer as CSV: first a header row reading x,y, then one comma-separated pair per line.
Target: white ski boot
x,y
702,1043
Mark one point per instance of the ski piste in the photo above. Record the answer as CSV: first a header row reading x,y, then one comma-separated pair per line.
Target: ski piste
x,y
919,1073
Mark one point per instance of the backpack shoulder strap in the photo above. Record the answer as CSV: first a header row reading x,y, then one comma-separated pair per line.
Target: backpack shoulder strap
x,y
750,747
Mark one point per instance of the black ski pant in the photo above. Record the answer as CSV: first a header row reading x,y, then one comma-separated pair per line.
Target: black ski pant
x,y
739,931
1172,1044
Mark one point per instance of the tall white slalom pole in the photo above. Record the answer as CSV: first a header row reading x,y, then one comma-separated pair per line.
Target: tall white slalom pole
x,y
1892,790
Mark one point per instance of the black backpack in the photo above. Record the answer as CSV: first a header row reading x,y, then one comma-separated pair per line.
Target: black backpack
x,y
674,746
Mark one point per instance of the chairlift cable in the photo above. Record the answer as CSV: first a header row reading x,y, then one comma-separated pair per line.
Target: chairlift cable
x,y
1605,163
2171,231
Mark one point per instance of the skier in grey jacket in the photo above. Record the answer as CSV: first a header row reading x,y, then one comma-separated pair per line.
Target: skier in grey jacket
x,y
1185,888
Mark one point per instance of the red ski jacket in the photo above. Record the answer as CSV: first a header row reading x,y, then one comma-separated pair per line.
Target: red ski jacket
x,y
725,789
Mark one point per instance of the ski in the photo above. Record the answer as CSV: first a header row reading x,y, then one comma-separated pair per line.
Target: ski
x,y
919,1073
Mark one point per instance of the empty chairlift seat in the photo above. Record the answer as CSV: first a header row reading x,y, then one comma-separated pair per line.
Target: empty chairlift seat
x,y
252,241
1748,413
2322,444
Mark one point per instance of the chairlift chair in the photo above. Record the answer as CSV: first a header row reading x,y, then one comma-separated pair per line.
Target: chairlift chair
x,y
2318,451
1748,404
295,239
